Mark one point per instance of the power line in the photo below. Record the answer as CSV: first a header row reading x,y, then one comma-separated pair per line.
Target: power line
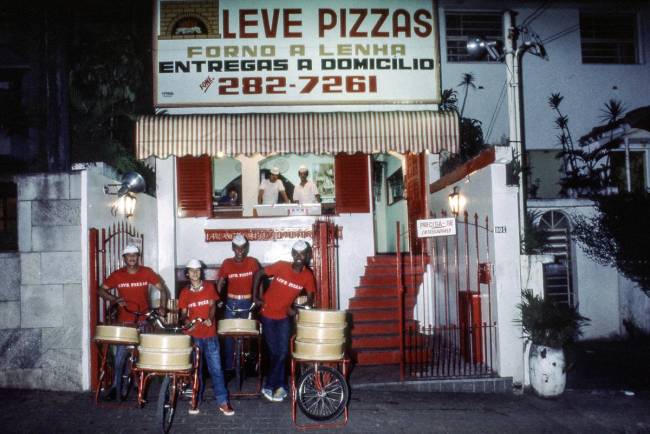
x,y
537,13
561,33
496,111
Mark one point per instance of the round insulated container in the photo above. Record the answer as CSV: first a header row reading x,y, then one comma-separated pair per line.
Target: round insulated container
x,y
165,352
111,333
318,350
306,332
155,341
322,318
238,325
164,360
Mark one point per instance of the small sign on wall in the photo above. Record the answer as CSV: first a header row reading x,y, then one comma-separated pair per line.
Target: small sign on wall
x,y
436,227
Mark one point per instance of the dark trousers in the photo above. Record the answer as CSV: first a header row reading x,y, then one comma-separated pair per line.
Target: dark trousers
x,y
276,337
229,343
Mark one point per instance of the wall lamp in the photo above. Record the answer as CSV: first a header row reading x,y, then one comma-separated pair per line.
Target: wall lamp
x,y
456,202
131,184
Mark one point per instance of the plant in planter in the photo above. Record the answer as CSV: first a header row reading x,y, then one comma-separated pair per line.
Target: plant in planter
x,y
550,327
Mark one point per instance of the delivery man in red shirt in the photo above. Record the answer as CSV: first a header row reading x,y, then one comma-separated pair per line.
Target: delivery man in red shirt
x,y
199,300
132,285
237,274
290,279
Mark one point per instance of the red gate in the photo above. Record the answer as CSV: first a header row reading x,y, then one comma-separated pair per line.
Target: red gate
x,y
105,257
325,237
452,333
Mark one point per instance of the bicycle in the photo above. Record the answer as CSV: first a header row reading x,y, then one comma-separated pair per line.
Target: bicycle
x,y
173,381
242,331
123,336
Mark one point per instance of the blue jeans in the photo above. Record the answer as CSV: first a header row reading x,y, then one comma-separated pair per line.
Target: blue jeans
x,y
276,336
229,343
210,356
121,353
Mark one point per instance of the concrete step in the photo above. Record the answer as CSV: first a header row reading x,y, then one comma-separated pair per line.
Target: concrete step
x,y
381,302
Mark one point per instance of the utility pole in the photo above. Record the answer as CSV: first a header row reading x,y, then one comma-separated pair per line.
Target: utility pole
x,y
513,56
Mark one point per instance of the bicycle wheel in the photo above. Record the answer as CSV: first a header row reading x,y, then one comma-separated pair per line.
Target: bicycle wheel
x,y
127,378
166,404
322,394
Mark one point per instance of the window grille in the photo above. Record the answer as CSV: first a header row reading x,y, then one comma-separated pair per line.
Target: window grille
x,y
462,26
608,38
558,285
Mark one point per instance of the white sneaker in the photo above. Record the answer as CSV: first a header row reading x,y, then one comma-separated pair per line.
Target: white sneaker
x,y
268,394
193,411
280,394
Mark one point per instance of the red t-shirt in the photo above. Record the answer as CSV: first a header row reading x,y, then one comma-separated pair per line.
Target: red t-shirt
x,y
133,288
239,275
198,306
285,287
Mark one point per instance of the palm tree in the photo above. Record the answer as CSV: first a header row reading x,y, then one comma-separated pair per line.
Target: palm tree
x,y
467,82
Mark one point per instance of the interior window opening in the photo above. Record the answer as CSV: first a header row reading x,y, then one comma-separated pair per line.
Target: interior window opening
x,y
306,181
226,186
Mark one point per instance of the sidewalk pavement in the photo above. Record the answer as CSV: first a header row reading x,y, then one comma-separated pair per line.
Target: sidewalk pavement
x,y
371,411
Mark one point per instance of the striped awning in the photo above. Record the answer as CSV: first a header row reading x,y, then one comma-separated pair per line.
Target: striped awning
x,y
317,133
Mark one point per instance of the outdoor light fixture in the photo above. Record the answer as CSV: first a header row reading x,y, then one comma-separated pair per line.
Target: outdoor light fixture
x,y
132,183
477,47
455,202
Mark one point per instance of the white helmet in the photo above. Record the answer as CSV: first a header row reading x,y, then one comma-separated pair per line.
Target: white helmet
x,y
194,263
130,249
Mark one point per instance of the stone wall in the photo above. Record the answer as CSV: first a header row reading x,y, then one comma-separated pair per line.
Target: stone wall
x,y
40,287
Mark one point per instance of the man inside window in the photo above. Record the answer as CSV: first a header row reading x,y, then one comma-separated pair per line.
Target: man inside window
x,y
270,188
306,191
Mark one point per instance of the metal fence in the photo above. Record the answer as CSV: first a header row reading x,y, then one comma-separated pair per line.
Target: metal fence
x,y
451,332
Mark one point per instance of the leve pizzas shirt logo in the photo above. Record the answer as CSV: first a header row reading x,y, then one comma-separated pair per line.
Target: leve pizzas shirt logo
x,y
132,284
198,303
240,275
289,284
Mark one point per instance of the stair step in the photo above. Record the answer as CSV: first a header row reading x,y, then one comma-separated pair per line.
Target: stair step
x,y
382,291
378,314
387,269
390,280
360,328
373,327
392,259
381,302
361,343
379,356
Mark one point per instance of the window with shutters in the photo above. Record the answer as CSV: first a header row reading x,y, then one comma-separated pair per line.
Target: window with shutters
x,y
194,186
351,180
212,187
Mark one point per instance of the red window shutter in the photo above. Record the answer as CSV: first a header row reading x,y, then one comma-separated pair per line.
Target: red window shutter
x,y
194,186
351,182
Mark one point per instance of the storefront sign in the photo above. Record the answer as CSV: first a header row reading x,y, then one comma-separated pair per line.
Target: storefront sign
x,y
261,234
436,227
292,52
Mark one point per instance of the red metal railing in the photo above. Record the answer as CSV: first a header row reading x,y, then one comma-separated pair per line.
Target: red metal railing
x,y
451,333
400,302
105,257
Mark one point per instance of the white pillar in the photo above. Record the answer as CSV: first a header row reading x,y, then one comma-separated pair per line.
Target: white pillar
x,y
166,204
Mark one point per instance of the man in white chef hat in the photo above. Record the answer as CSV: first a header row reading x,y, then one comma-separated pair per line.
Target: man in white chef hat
x,y
270,188
290,279
305,191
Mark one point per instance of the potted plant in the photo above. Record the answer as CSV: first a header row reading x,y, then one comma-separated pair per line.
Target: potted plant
x,y
550,327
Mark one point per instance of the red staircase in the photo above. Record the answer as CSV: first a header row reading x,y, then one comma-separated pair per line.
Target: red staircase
x,y
375,308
